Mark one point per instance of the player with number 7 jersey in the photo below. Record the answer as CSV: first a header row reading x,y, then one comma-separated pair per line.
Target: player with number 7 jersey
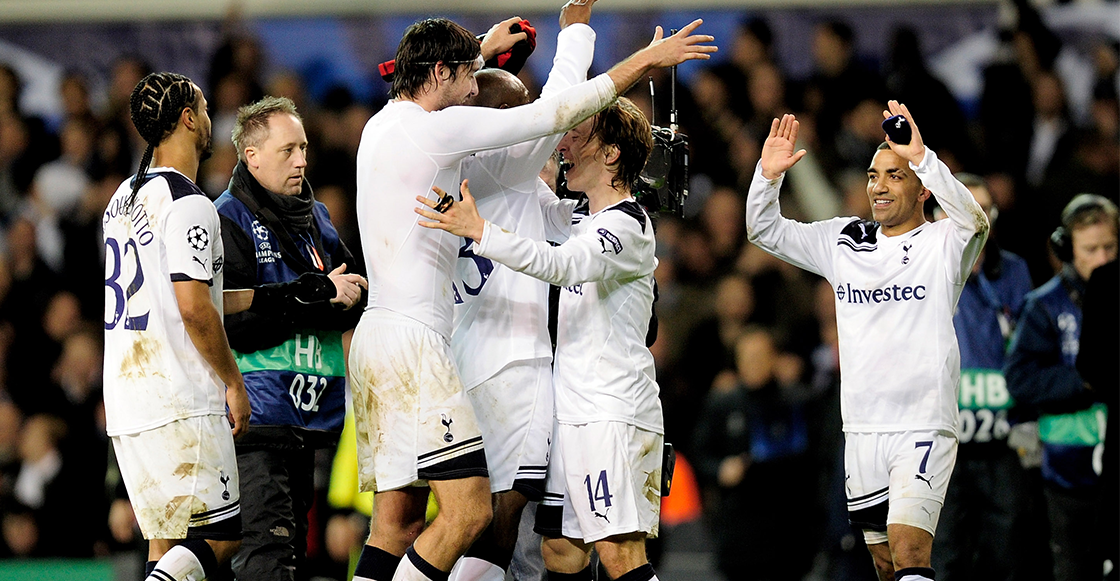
x,y
896,281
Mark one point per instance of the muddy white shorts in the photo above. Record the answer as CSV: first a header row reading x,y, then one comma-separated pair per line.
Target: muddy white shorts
x,y
514,410
414,422
606,477
182,479
897,478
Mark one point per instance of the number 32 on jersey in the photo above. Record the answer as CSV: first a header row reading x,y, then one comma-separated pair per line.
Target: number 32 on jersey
x,y
122,264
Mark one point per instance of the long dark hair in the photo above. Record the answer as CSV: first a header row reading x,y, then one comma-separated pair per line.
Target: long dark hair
x,y
423,45
155,106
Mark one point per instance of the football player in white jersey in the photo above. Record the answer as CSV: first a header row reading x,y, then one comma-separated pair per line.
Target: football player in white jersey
x,y
897,280
605,477
500,337
415,425
169,373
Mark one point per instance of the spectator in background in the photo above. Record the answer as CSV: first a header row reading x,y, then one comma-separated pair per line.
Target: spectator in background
x,y
74,92
766,92
839,81
722,218
31,145
982,528
239,56
1051,137
1040,372
710,349
42,496
31,353
909,81
751,446
59,187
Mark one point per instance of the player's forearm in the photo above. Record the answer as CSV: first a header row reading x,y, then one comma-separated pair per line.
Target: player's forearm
x,y
209,338
952,195
630,70
574,262
204,327
762,209
789,240
459,131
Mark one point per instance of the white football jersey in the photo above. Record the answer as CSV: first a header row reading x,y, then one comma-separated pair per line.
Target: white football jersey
x,y
501,316
153,372
406,150
603,370
895,296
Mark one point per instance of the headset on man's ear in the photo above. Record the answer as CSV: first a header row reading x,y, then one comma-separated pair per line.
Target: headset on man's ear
x,y
1061,240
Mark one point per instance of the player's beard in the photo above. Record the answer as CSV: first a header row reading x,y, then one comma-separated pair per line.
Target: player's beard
x,y
205,147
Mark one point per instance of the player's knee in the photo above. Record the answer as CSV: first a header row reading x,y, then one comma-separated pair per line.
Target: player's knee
x,y
469,518
476,518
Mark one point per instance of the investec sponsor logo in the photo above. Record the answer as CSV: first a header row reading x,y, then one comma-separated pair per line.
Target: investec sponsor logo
x,y
894,293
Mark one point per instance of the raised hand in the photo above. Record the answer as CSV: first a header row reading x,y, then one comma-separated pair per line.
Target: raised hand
x,y
778,151
574,12
460,218
499,39
915,151
680,47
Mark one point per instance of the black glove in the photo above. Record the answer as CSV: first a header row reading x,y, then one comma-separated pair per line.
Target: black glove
x,y
286,298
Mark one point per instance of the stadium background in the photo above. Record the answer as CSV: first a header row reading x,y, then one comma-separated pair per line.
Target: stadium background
x,y
978,76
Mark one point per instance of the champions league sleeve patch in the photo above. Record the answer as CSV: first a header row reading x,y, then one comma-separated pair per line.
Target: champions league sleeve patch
x,y
605,237
198,237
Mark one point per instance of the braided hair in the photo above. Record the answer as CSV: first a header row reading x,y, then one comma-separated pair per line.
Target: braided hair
x,y
155,106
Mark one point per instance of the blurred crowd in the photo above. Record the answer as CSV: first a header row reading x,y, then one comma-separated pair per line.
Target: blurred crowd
x,y
747,345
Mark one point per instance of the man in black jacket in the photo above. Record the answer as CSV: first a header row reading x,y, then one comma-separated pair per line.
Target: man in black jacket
x,y
288,343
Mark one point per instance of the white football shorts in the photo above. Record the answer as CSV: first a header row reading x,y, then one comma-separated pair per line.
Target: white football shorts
x,y
606,477
515,411
897,478
182,479
414,421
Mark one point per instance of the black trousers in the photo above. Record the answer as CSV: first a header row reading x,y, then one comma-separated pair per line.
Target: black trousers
x,y
992,525
1073,534
277,489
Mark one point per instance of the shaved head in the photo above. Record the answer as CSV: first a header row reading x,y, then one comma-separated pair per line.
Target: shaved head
x,y
498,89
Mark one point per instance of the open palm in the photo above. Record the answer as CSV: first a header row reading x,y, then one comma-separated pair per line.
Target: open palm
x,y
779,151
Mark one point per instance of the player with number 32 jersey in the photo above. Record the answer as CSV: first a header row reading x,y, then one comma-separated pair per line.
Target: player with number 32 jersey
x,y
154,373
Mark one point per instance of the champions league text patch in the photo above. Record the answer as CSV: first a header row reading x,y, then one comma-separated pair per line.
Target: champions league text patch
x,y
605,236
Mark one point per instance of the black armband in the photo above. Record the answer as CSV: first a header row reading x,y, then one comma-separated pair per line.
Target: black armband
x,y
285,298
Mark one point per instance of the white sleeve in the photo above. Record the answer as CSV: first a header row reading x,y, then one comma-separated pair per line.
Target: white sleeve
x,y
190,228
575,47
808,246
450,134
557,213
615,249
970,224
